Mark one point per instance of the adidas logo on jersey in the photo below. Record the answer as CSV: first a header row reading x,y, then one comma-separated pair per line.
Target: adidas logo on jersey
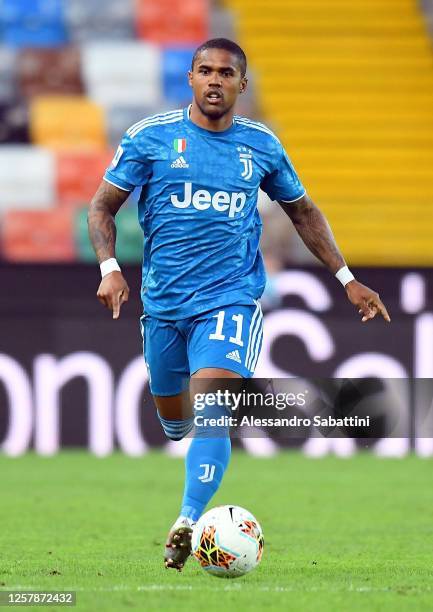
x,y
234,355
202,199
180,163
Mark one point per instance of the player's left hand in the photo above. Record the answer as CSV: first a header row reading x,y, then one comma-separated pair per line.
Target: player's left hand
x,y
367,300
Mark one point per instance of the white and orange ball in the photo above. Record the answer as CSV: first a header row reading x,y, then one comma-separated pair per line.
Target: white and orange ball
x,y
227,541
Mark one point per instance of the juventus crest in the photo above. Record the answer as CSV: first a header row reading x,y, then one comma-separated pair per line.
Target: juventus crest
x,y
246,159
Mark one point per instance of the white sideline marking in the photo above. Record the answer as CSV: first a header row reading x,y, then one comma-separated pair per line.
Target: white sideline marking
x,y
234,587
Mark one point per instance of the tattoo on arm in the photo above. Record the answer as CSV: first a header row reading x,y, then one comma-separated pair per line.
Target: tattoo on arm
x,y
315,231
100,219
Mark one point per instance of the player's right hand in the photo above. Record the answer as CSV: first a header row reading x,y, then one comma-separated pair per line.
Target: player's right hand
x,y
113,292
367,301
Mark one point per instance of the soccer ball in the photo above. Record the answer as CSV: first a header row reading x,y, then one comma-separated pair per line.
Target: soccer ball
x,y
227,541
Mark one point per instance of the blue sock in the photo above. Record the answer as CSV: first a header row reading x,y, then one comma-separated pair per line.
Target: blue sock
x,y
207,460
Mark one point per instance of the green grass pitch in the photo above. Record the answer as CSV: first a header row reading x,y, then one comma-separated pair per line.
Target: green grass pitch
x,y
353,534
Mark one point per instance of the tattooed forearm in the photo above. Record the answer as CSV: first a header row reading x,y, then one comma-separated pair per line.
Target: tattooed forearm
x,y
315,231
102,233
100,219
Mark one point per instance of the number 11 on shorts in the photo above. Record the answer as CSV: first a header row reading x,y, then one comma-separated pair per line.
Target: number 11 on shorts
x,y
218,333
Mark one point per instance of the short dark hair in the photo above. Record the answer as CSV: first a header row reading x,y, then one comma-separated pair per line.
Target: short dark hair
x,y
227,45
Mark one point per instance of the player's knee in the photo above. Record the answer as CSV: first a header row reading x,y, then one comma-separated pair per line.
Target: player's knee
x,y
176,430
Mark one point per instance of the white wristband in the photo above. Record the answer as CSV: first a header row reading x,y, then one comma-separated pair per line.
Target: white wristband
x,y
344,275
109,265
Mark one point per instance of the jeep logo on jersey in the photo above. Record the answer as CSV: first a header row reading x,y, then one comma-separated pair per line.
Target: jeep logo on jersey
x,y
202,200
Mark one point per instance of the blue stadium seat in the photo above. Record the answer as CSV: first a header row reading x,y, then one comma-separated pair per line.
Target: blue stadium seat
x,y
33,23
175,64
47,10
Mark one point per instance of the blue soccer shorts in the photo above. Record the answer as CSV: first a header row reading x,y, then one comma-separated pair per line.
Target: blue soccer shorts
x,y
229,337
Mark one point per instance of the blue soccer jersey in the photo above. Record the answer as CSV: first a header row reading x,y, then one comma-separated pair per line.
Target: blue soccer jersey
x,y
198,208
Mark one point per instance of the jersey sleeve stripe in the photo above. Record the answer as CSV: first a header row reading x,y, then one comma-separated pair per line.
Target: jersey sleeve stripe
x,y
154,117
295,200
147,122
252,122
153,123
159,117
115,185
256,126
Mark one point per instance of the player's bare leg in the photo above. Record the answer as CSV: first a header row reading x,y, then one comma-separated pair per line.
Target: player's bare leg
x,y
173,408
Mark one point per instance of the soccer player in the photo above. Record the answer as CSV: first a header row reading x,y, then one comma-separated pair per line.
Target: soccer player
x,y
200,169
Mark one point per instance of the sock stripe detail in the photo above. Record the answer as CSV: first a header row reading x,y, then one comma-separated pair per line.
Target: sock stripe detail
x,y
175,429
173,424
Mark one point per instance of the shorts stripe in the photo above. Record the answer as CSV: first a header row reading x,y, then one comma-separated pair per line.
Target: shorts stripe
x,y
257,350
255,344
254,329
253,320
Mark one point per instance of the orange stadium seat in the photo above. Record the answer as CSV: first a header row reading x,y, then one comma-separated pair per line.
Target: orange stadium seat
x,y
49,71
168,22
67,122
38,235
79,174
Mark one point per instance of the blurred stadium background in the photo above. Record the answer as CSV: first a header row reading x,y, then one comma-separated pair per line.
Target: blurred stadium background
x,y
348,87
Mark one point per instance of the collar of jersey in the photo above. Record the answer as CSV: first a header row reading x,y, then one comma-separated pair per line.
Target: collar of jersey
x,y
210,133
